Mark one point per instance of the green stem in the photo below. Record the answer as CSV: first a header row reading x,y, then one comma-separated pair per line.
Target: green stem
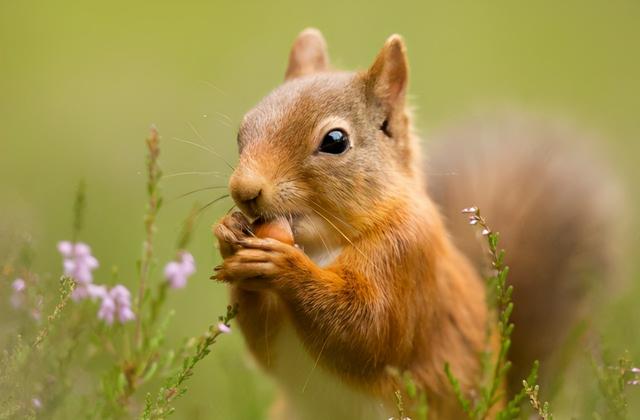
x,y
153,178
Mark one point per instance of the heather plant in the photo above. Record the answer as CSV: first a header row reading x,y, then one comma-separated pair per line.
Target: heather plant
x,y
613,377
100,345
541,408
417,398
484,401
86,346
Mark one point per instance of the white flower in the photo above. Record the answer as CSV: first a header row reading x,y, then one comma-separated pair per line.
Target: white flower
x,y
224,328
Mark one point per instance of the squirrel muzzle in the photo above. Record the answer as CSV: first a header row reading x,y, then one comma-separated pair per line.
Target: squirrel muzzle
x,y
250,191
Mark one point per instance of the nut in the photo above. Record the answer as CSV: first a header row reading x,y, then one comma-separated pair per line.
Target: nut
x,y
278,229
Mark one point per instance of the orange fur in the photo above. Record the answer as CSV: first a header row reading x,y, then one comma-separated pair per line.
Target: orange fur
x,y
375,282
398,294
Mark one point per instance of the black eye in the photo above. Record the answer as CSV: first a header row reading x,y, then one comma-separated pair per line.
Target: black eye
x,y
335,142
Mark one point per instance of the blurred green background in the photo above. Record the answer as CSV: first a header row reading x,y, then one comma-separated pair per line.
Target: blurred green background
x,y
80,83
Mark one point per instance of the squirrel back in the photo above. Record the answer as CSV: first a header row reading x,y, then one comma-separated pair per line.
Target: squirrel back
x,y
553,205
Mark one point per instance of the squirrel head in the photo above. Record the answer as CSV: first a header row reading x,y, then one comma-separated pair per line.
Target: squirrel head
x,y
328,148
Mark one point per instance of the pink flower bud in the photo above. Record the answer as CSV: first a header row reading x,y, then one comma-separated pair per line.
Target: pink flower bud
x,y
18,285
177,272
116,303
78,263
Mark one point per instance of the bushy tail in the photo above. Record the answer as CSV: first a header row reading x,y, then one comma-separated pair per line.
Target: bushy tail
x,y
553,207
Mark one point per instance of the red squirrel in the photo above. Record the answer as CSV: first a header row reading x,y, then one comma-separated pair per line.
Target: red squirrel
x,y
373,278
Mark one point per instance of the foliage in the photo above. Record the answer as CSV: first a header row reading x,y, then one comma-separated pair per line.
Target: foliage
x,y
484,401
73,345
128,370
417,397
613,379
174,386
542,408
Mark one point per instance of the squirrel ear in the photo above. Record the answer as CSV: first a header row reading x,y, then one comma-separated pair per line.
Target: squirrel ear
x,y
308,54
388,76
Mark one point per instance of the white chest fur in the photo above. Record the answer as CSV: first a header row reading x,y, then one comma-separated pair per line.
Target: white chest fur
x,y
311,392
327,257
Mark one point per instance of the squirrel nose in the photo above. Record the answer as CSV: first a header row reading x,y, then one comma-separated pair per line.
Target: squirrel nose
x,y
246,190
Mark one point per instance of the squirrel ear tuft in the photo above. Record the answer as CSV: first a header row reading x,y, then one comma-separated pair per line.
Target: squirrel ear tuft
x,y
308,54
387,78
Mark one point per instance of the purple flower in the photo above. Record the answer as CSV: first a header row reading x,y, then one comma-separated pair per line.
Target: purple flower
x,y
37,404
18,295
18,285
635,381
90,290
176,272
78,264
116,304
224,328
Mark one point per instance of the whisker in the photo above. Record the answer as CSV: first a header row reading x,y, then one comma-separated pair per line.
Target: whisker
x,y
212,202
215,173
206,149
333,215
213,187
313,204
198,213
193,143
224,119
345,223
266,338
225,116
212,86
341,233
201,138
315,365
315,228
311,222
224,123
196,132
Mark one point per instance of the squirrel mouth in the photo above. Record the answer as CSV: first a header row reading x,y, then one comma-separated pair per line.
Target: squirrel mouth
x,y
292,218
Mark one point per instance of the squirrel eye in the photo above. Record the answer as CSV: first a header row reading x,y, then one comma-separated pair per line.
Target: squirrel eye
x,y
336,141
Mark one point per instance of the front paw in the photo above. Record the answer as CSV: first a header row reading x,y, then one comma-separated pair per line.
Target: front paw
x,y
231,229
263,264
